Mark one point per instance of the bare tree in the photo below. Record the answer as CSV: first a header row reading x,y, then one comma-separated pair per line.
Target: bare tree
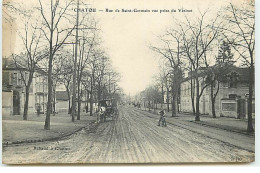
x,y
164,80
100,76
108,80
173,56
79,65
55,35
240,32
92,64
197,39
9,8
64,72
216,73
29,60
151,94
84,54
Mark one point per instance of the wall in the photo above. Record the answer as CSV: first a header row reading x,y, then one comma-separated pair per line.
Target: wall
x,y
7,102
205,100
19,87
229,108
62,106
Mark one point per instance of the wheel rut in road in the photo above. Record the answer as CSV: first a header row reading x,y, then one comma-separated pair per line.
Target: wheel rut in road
x,y
234,139
133,137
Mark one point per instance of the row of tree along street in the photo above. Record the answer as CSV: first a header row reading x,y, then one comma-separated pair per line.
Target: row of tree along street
x,y
210,42
66,45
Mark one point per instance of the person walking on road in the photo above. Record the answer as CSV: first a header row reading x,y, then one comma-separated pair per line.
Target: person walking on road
x,y
162,118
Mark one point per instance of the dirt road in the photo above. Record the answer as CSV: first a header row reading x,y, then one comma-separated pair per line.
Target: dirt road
x,y
133,137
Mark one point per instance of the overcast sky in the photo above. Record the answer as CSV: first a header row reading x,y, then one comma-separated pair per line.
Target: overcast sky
x,y
127,36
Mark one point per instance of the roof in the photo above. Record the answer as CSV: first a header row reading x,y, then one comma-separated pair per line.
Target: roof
x,y
10,64
243,73
62,95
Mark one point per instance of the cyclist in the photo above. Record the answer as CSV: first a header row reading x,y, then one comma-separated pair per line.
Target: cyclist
x,y
162,118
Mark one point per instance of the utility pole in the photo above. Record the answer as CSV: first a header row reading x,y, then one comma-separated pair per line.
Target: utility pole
x,y
75,68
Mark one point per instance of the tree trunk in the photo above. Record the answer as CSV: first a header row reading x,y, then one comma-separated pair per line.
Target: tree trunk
x,y
68,93
193,105
154,106
79,108
177,99
99,91
173,104
25,112
168,104
197,117
212,100
91,97
79,97
88,100
162,101
91,104
49,104
54,99
250,127
192,96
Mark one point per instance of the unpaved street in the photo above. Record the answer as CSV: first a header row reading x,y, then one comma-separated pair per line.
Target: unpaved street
x,y
133,137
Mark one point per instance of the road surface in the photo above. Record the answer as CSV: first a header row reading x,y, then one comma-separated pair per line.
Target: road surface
x,y
133,137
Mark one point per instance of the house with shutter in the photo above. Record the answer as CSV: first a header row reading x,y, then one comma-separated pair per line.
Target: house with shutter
x,y
231,99
13,89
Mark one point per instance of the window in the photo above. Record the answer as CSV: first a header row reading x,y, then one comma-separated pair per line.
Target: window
x,y
232,82
232,96
19,79
233,79
5,79
14,79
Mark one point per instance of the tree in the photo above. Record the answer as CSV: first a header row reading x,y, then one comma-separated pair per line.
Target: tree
x,y
109,81
85,49
216,73
93,64
55,35
151,94
197,39
173,56
10,8
29,60
240,33
65,76
164,81
224,53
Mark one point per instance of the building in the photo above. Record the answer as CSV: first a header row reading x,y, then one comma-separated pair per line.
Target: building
x,y
13,89
231,100
62,101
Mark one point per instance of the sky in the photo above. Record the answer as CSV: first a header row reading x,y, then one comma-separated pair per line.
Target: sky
x,y
127,35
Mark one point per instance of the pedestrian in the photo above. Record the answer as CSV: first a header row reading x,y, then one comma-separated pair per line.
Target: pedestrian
x,y
162,118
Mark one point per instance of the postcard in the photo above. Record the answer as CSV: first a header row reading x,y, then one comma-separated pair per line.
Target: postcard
x,y
97,82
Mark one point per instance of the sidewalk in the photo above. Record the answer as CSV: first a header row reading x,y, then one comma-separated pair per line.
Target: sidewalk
x,y
16,130
231,124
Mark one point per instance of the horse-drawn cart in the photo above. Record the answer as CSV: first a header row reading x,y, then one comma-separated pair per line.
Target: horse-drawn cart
x,y
108,109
